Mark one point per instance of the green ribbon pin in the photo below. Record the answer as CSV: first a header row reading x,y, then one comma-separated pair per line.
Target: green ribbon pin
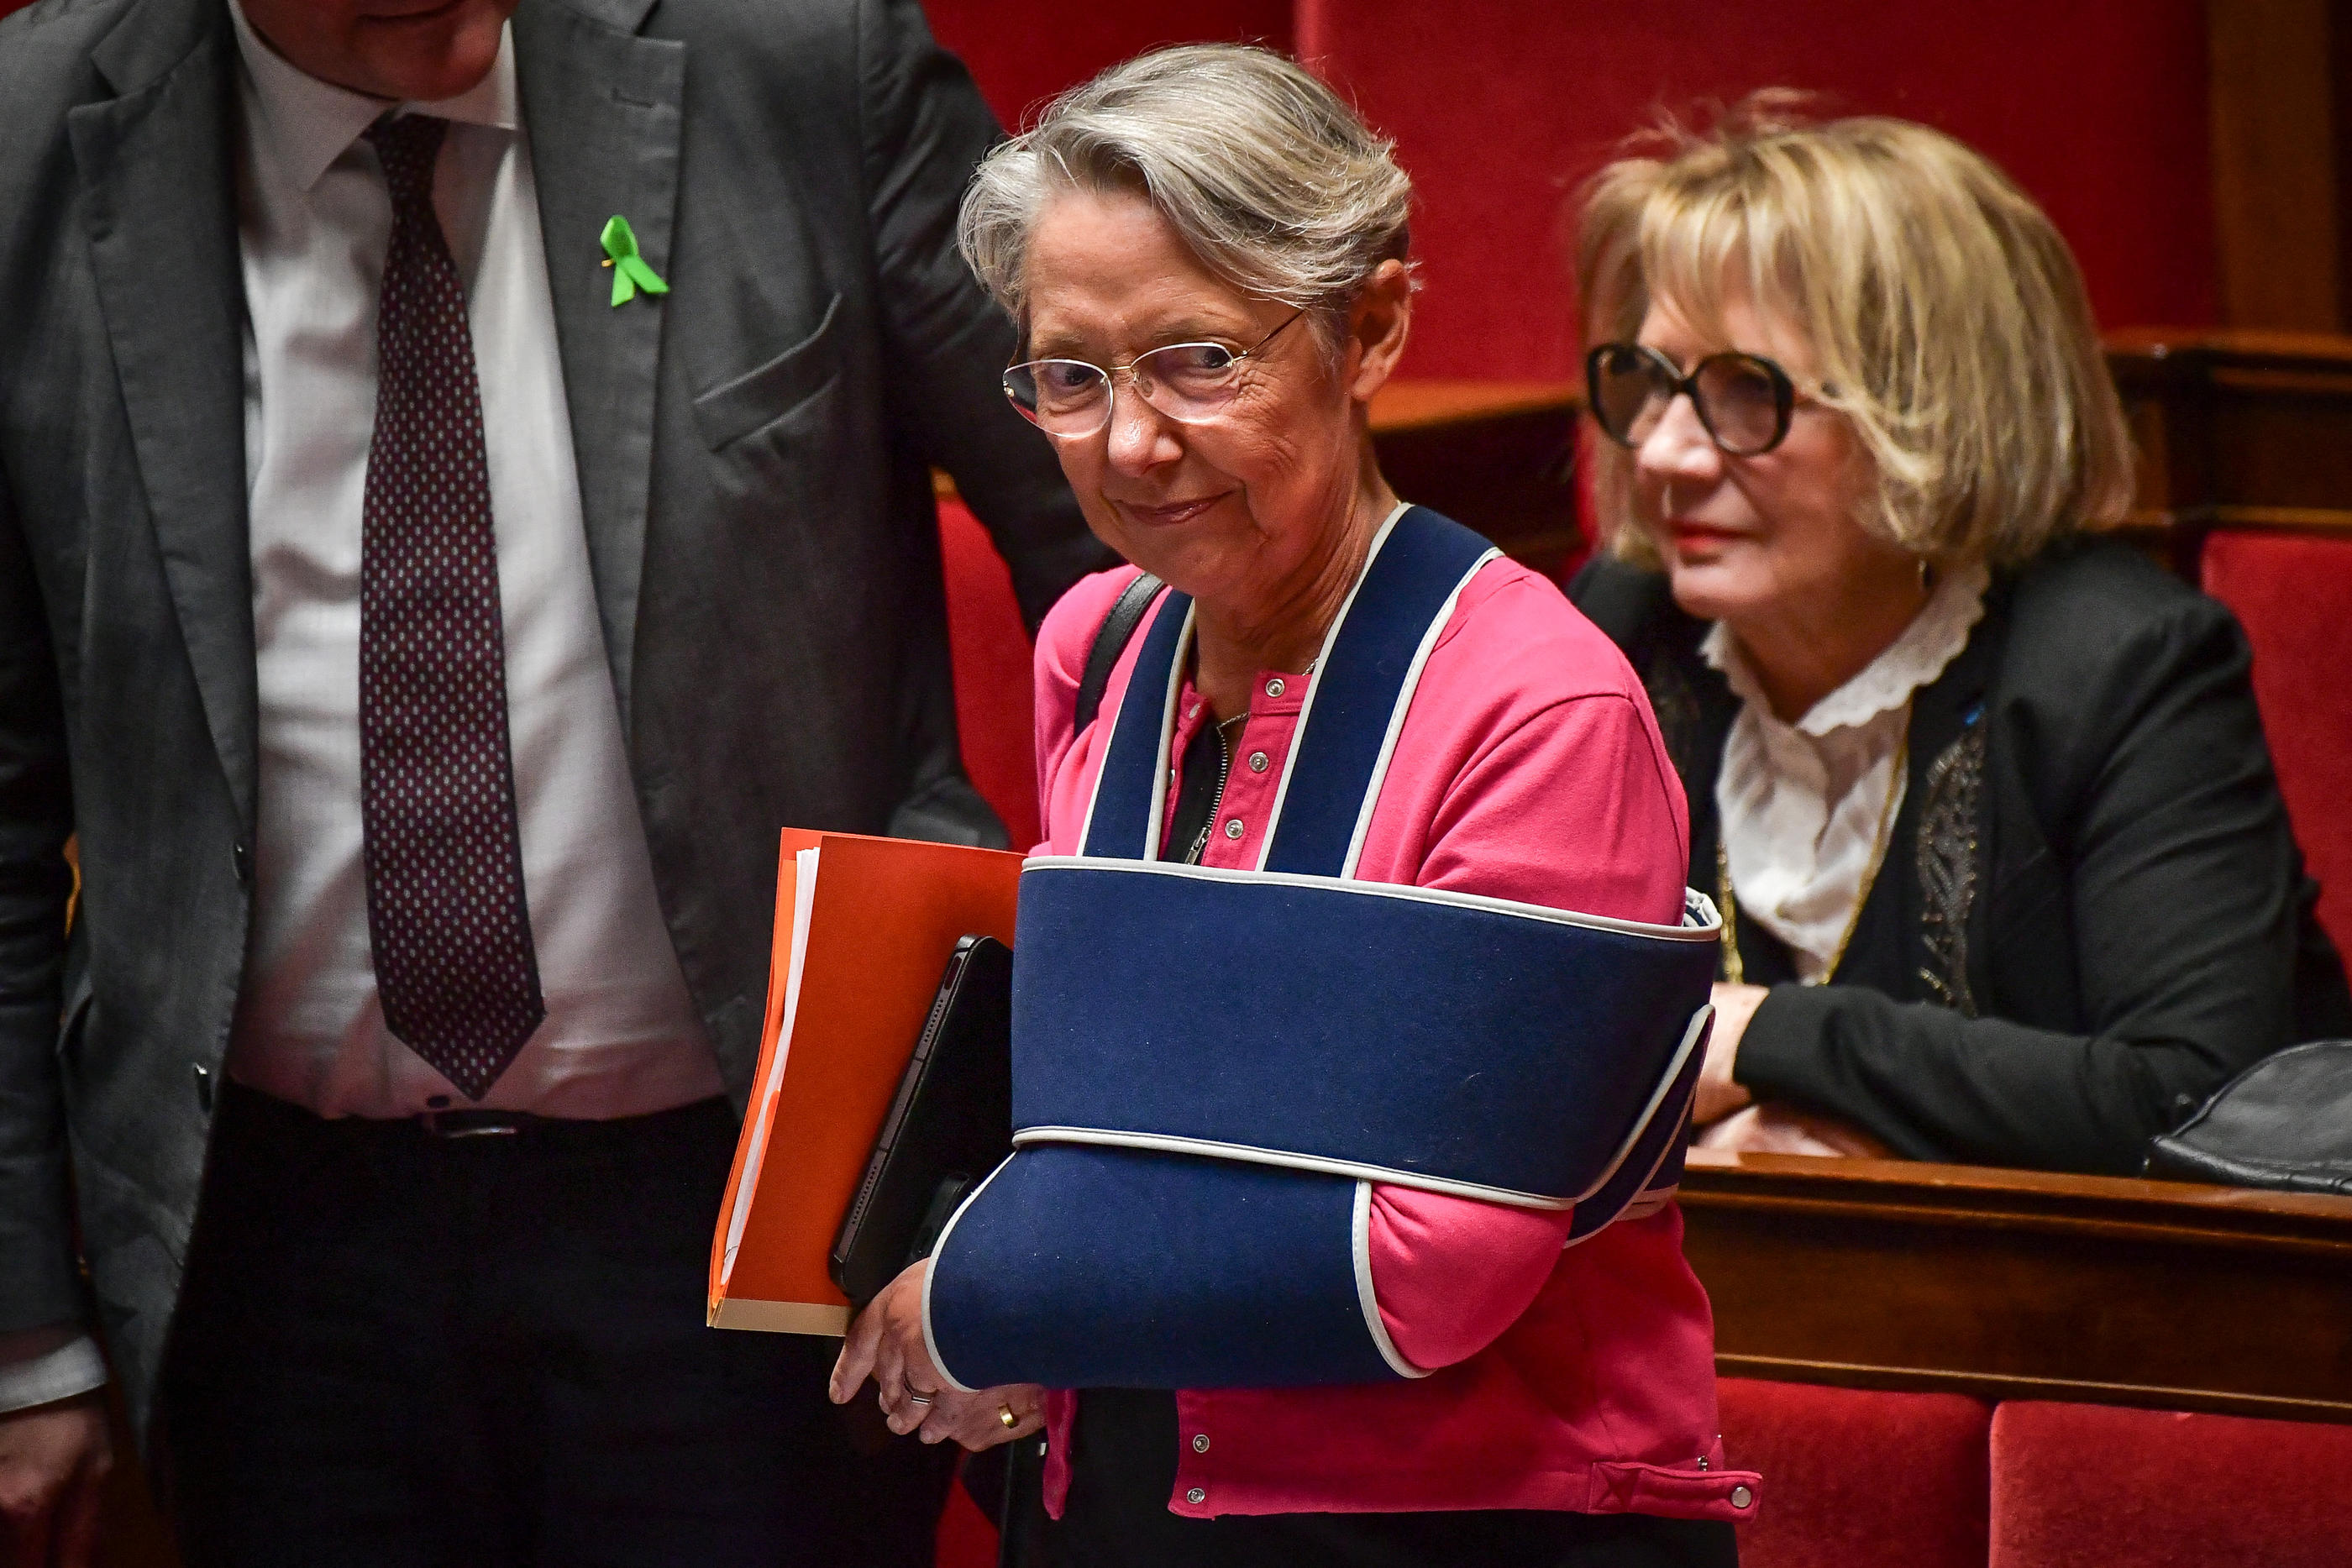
x,y
630,272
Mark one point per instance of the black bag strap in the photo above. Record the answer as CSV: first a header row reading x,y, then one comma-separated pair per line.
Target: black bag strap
x,y
1111,638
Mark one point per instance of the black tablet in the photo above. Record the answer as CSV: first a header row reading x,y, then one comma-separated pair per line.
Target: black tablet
x,y
949,1124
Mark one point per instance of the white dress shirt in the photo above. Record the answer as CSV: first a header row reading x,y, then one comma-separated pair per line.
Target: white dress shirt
x,y
1803,805
314,220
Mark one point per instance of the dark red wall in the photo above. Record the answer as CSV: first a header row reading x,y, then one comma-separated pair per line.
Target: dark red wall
x,y
2097,106
1025,51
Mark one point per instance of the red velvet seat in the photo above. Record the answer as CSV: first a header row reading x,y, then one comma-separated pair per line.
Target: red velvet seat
x,y
2294,594
1859,1479
990,649
2091,1486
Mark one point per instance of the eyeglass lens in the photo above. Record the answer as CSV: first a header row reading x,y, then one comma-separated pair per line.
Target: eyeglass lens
x,y
1188,382
1737,397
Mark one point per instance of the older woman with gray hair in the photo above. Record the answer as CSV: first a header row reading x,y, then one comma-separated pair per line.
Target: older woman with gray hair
x,y
1359,998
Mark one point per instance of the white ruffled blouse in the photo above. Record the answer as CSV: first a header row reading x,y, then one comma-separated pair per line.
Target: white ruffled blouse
x,y
1801,804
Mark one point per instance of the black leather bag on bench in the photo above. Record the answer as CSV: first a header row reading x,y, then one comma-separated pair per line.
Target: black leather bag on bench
x,y
2284,1124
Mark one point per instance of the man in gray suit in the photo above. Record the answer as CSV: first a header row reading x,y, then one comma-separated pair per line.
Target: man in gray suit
x,y
463,487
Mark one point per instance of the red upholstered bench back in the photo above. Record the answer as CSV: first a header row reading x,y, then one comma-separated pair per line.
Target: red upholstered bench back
x,y
2090,1486
1857,1479
990,649
2294,594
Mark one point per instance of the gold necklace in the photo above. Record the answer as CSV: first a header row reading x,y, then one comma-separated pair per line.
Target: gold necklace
x,y
1735,972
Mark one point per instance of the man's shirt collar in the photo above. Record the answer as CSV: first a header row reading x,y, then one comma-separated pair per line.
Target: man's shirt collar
x,y
306,124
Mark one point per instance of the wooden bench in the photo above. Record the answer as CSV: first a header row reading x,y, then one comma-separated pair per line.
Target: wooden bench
x,y
2024,1284
2236,429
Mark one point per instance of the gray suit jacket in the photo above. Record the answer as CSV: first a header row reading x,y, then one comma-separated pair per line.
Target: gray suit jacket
x,y
752,455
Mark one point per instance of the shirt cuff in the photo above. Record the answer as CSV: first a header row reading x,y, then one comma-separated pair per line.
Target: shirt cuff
x,y
74,1367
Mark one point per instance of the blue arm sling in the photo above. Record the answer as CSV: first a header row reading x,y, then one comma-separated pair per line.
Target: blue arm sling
x,y
1187,1205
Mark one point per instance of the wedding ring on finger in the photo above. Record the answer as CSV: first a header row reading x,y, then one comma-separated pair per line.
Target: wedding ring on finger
x,y
1005,1414
915,1398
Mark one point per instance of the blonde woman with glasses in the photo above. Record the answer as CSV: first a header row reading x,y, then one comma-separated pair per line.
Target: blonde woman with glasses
x,y
2004,871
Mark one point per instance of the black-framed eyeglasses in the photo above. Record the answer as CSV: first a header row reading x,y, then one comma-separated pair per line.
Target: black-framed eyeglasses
x,y
1743,400
1189,383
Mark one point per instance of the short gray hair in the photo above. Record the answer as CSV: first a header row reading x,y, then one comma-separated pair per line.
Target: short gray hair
x,y
1270,179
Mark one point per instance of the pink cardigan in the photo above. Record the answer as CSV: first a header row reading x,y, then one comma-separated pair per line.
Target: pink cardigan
x,y
1529,769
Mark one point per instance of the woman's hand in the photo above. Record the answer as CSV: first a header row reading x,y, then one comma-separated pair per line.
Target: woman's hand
x,y
1718,1095
886,1343
1770,1129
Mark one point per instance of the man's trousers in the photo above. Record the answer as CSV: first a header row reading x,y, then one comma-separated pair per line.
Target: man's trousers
x,y
395,1347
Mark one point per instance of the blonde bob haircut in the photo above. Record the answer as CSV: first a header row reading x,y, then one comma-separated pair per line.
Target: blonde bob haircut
x,y
1947,319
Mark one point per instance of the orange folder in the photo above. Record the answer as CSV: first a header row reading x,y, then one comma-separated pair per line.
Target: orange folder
x,y
864,929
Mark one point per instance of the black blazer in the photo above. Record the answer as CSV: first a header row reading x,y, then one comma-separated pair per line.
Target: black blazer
x,y
754,451
2092,910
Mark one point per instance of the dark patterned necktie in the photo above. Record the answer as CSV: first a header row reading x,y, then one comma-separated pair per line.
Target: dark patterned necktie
x,y
447,920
